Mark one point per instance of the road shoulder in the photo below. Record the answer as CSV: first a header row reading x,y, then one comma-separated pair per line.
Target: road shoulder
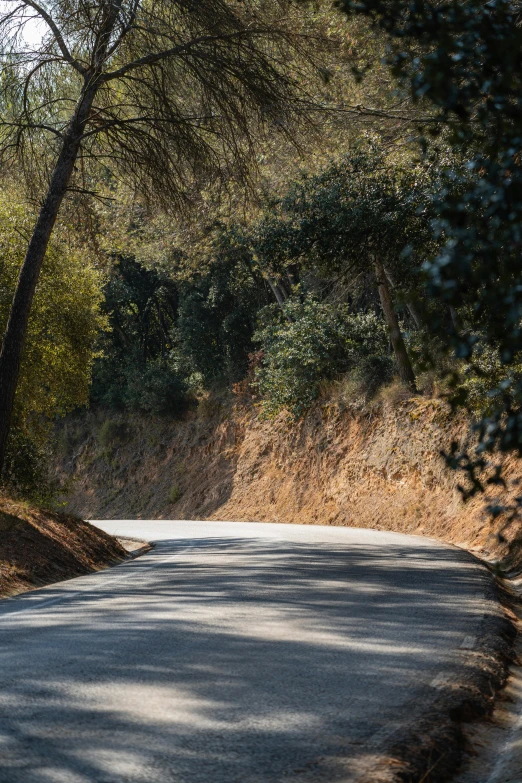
x,y
495,746
134,546
431,746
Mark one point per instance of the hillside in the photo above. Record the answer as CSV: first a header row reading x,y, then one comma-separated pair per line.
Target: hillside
x,y
376,467
40,547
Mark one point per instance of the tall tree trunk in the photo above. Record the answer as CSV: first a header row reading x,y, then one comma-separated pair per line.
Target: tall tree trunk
x,y
412,307
278,290
14,337
455,320
392,322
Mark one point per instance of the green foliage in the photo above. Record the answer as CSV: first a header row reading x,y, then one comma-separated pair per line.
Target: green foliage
x,y
155,388
358,232
26,472
129,382
372,372
307,342
360,207
463,56
217,315
112,433
59,348
63,326
136,370
484,380
175,493
315,244
169,337
318,241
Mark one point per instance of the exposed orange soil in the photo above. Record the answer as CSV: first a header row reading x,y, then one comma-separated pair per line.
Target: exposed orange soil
x,y
378,467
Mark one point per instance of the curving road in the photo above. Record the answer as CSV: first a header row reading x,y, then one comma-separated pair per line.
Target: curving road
x,y
232,653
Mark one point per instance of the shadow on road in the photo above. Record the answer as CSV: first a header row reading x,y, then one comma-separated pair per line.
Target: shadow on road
x,y
230,660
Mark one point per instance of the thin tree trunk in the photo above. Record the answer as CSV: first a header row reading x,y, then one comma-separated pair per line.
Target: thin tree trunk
x,y
292,273
412,307
14,337
455,320
278,291
163,330
392,322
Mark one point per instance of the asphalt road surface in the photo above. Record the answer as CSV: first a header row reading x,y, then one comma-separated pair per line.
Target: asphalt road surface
x,y
232,653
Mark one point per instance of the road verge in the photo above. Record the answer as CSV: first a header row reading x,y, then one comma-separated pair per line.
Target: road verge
x,y
134,546
39,547
429,746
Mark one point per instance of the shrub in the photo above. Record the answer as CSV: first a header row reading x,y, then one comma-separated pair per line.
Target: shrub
x,y
112,432
26,474
483,382
155,388
217,318
372,372
175,494
307,342
59,347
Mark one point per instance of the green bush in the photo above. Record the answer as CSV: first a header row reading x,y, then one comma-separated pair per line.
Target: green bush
x,y
155,388
484,381
112,433
216,320
59,346
307,342
175,493
26,471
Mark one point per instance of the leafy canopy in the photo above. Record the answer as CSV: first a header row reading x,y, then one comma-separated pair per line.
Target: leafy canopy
x,y
63,328
307,342
463,57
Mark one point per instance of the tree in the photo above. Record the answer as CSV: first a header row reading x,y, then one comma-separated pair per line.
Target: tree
x,y
60,345
402,358
141,308
165,93
306,342
218,313
352,220
464,58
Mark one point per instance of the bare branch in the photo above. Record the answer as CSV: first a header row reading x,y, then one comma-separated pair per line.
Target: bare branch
x,y
144,120
125,29
92,193
31,126
58,37
156,57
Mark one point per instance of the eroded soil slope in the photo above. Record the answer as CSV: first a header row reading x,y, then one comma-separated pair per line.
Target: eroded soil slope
x,y
40,547
376,468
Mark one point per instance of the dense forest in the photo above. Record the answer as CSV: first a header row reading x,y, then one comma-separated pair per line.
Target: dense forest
x,y
266,200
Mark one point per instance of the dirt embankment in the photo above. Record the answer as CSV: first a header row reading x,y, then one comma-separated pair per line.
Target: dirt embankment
x,y
40,547
379,467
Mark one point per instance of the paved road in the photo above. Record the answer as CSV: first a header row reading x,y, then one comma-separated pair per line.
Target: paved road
x,y
231,653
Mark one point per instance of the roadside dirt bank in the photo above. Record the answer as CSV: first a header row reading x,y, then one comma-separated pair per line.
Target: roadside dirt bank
x,y
379,467
41,547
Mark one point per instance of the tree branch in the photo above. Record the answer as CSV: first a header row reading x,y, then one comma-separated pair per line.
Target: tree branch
x,y
114,123
31,126
58,37
125,29
154,57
